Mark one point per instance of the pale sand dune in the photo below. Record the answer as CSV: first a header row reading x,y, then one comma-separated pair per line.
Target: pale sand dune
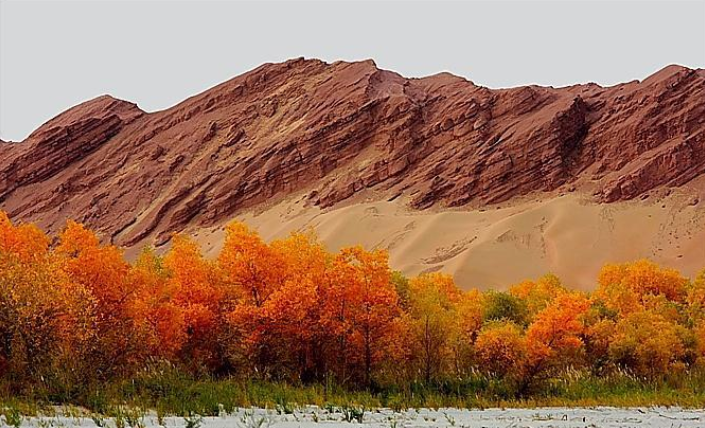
x,y
501,246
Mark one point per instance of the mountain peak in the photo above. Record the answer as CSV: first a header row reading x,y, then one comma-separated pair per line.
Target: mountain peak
x,y
97,108
668,72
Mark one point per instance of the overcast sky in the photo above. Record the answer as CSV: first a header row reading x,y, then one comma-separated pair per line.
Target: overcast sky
x,y
56,54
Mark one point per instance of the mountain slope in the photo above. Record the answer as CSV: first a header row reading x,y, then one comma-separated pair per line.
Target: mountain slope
x,y
336,132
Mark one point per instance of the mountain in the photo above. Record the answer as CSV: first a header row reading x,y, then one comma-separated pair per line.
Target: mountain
x,y
328,137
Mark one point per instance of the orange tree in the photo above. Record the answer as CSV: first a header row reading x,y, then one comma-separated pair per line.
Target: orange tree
x,y
46,319
500,349
538,294
104,272
554,339
293,311
630,287
161,322
197,292
361,315
251,272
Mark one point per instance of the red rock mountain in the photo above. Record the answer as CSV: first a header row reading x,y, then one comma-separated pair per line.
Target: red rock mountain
x,y
331,131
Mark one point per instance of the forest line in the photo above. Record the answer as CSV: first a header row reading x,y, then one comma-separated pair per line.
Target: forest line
x,y
74,313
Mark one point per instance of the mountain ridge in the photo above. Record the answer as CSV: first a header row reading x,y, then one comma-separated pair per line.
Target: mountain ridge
x,y
333,131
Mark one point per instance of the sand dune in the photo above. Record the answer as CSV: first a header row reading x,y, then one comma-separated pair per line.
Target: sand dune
x,y
494,248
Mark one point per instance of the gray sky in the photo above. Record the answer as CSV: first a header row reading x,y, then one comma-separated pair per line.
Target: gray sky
x,y
57,54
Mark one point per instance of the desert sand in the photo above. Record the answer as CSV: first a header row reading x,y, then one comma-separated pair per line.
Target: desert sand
x,y
568,235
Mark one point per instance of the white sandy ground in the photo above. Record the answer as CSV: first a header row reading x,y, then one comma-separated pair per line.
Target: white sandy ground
x,y
313,417
499,246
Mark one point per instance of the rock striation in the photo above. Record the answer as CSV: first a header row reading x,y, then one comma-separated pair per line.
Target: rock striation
x,y
332,131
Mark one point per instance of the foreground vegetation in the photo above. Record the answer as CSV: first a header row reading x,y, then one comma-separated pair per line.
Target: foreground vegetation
x,y
175,393
288,323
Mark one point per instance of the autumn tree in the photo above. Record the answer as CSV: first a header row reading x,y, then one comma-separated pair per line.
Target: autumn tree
x,y
538,294
631,287
45,318
75,312
599,323
25,242
361,313
198,293
470,313
252,271
696,312
433,308
292,312
555,337
161,322
647,344
699,336
500,349
696,298
251,267
103,271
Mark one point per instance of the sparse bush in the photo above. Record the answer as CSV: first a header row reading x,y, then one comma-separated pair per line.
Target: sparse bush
x,y
353,413
193,420
12,416
250,419
501,306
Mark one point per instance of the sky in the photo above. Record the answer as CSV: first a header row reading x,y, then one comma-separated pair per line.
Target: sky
x,y
56,54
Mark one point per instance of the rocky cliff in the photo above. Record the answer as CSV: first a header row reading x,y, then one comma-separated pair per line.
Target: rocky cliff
x,y
332,131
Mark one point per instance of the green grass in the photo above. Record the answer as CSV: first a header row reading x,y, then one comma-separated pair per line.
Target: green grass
x,y
173,393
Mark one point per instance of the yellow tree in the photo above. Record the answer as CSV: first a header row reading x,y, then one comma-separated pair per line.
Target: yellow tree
x,y
647,344
699,333
45,318
630,287
538,294
500,349
696,298
696,311
470,312
433,309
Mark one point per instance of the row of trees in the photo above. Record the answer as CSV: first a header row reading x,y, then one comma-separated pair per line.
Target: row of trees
x,y
75,311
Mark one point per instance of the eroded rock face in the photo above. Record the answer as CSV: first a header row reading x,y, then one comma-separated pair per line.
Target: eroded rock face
x,y
334,130
68,138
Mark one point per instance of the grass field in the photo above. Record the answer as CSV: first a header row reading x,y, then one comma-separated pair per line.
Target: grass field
x,y
174,393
